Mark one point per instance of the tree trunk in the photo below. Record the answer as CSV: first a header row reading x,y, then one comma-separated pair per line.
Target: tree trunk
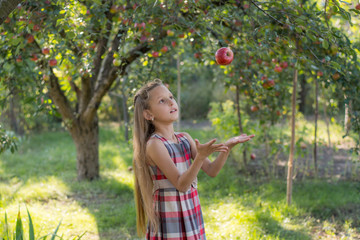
x,y
6,7
292,145
12,114
239,119
86,139
316,122
303,94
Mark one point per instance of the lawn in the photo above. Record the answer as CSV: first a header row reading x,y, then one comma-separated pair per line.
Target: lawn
x,y
41,176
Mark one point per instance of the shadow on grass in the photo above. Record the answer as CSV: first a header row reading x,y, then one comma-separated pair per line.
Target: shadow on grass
x,y
52,156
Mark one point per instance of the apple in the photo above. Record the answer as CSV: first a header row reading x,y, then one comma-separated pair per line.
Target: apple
x,y
93,46
164,49
7,20
259,61
224,56
45,51
36,28
278,113
284,65
357,7
116,62
34,57
140,26
181,35
198,55
268,84
30,38
18,59
113,9
173,44
278,69
336,76
170,33
52,62
253,156
143,39
263,77
320,74
155,54
254,108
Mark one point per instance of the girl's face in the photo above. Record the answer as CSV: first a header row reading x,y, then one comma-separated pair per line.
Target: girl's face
x,y
163,107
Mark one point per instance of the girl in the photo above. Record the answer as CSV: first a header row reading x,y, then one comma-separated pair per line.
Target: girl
x,y
167,202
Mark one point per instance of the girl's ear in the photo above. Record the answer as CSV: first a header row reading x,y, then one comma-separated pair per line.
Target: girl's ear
x,y
147,115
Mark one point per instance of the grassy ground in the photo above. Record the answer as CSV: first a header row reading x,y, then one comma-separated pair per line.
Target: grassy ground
x,y
42,177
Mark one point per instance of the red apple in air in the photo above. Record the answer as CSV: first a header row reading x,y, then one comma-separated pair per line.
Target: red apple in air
x,y
253,156
278,69
224,56
320,74
45,51
357,7
52,62
30,38
164,49
254,108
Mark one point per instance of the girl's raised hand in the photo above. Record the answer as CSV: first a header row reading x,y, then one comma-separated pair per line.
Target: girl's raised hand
x,y
204,150
238,139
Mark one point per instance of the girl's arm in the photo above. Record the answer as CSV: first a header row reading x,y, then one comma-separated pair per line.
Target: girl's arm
x,y
159,156
213,168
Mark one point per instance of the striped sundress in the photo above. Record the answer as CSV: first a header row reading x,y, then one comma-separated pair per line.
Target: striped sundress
x,y
180,215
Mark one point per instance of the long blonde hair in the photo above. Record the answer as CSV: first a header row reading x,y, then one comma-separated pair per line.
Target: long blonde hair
x,y
143,129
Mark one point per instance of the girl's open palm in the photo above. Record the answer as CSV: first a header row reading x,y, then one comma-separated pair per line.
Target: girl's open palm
x,y
238,139
204,150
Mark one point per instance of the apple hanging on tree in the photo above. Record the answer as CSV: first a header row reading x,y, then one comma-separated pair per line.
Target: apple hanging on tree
x,y
224,56
52,62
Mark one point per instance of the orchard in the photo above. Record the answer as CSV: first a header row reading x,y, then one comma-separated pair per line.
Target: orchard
x,y
255,67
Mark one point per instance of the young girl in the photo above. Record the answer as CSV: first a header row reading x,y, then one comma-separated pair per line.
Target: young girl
x,y
166,194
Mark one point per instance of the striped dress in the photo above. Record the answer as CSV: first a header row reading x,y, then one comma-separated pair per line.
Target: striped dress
x,y
180,215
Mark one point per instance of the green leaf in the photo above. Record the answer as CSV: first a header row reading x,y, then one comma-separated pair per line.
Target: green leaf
x,y
298,30
31,227
325,44
19,228
335,65
56,230
6,228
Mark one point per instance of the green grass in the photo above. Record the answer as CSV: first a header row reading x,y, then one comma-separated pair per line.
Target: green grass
x,y
42,176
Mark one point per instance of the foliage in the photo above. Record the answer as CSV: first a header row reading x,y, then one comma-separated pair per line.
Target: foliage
x,y
7,142
19,233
